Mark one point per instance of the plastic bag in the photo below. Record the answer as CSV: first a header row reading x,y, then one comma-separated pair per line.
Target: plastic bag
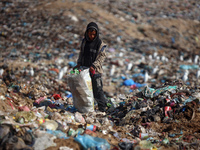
x,y
27,116
150,92
45,141
50,125
81,89
79,118
90,142
58,134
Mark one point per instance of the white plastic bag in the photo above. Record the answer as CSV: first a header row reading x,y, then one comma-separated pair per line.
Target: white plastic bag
x,y
81,89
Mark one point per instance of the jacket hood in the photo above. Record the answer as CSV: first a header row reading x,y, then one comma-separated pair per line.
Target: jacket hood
x,y
92,25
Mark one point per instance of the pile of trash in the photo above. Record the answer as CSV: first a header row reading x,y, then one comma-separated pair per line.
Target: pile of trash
x,y
151,75
160,117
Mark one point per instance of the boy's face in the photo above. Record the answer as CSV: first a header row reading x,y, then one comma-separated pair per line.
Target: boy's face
x,y
92,33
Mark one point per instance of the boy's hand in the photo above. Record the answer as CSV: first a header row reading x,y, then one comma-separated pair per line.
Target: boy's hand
x,y
92,70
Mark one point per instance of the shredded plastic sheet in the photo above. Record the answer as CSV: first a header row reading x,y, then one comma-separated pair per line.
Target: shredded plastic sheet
x,y
89,142
150,92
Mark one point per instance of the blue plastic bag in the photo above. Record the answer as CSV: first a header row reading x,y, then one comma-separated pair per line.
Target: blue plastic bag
x,y
129,82
93,143
72,64
58,134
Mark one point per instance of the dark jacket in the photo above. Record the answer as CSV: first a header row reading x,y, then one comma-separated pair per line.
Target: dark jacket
x,y
92,53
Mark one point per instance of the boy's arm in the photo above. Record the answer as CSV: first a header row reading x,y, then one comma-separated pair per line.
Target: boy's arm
x,y
100,57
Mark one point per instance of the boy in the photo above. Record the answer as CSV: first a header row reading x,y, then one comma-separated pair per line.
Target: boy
x,y
91,55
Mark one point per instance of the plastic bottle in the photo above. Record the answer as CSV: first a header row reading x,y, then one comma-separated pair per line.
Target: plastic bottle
x,y
76,71
73,132
116,135
80,131
143,136
72,72
21,120
114,102
91,127
167,108
41,121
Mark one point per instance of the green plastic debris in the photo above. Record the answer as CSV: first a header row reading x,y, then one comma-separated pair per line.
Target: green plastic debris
x,y
150,92
25,116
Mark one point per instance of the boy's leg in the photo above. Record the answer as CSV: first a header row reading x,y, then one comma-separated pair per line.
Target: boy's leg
x,y
97,86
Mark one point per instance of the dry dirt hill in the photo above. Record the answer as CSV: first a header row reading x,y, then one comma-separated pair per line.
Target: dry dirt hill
x,y
185,32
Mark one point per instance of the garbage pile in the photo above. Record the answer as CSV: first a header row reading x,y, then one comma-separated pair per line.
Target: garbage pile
x,y
156,118
151,75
